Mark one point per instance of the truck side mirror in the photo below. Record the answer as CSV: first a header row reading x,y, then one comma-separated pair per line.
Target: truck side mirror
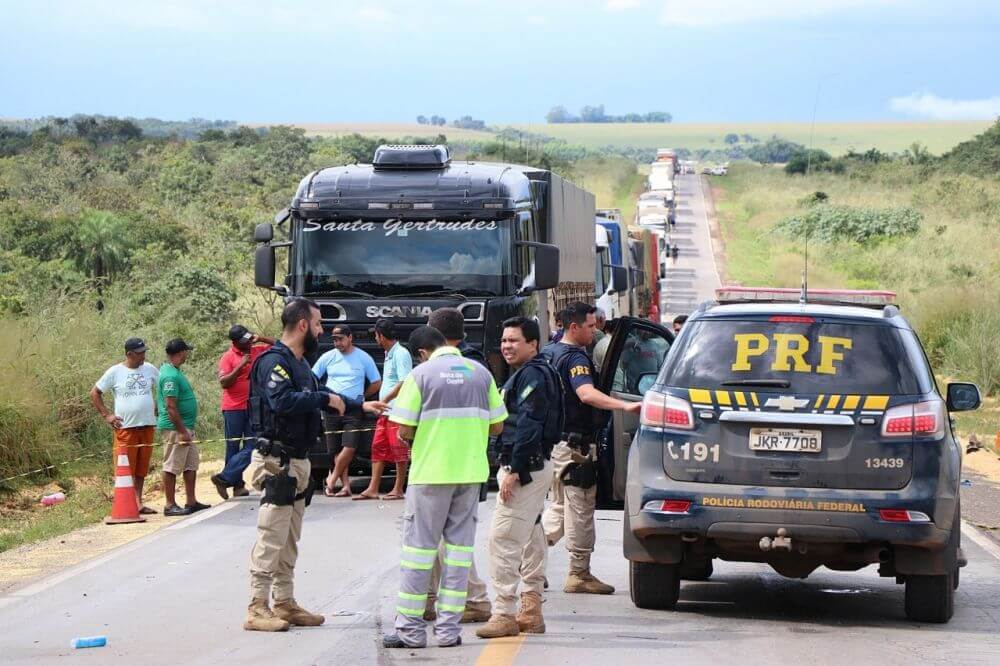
x,y
282,216
546,266
263,233
619,279
963,397
263,265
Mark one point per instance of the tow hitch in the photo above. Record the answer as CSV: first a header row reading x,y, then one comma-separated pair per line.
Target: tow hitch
x,y
781,541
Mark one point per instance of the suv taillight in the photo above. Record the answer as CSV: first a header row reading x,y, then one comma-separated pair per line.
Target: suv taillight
x,y
923,419
661,410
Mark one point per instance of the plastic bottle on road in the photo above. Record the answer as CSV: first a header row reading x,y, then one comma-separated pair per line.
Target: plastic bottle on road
x,y
88,642
54,498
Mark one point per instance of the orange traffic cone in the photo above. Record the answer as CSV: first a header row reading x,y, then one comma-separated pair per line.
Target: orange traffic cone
x,y
124,508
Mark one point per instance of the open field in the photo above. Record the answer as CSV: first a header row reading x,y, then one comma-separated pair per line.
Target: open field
x,y
387,130
835,138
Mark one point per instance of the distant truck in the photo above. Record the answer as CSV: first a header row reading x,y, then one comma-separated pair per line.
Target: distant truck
x,y
611,279
415,231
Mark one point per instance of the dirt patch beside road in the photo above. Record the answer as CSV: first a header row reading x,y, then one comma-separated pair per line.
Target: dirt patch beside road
x,y
713,194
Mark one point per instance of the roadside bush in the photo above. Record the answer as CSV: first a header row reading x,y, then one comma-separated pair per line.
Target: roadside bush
x,y
863,225
187,292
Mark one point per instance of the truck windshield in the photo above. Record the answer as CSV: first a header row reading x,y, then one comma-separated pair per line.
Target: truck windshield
x,y
395,257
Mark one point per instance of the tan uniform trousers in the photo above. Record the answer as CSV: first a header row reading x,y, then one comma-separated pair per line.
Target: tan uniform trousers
x,y
272,560
511,532
477,588
571,512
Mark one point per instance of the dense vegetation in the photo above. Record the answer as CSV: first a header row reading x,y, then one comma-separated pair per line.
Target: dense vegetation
x,y
106,232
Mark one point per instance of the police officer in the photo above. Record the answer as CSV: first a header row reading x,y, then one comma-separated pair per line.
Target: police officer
x,y
533,398
574,458
285,404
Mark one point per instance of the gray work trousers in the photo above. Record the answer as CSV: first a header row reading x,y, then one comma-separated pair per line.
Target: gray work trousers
x,y
433,513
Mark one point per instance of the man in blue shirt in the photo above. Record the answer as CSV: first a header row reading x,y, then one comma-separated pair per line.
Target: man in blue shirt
x,y
346,369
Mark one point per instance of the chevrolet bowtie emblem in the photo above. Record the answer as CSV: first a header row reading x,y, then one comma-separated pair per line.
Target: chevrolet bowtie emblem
x,y
786,403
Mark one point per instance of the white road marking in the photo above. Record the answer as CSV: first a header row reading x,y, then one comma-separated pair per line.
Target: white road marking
x,y
981,540
203,515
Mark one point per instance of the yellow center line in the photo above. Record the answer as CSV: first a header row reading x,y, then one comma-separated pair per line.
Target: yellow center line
x,y
501,651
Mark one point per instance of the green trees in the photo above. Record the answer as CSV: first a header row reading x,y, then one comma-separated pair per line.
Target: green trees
x,y
100,249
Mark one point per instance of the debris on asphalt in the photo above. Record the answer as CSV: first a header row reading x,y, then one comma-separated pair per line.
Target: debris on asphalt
x,y
88,642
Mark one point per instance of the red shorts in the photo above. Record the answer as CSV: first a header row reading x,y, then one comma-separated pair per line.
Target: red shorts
x,y
387,447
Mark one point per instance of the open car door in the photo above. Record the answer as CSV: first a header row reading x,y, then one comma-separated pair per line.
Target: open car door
x,y
633,358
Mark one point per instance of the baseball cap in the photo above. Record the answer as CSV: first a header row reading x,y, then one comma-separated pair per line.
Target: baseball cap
x,y
239,333
135,345
386,327
177,345
341,329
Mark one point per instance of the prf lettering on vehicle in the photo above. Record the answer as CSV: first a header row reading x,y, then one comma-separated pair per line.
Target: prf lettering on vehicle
x,y
790,350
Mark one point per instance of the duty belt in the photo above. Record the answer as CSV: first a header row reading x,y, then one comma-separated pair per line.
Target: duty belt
x,y
536,463
273,447
578,439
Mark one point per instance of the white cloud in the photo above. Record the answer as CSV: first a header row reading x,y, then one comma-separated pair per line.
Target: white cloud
x,y
710,13
374,15
929,105
621,5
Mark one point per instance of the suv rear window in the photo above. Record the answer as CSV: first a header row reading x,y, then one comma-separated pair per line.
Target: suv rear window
x,y
812,356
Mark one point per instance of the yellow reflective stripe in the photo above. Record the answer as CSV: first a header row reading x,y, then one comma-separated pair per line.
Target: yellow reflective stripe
x,y
445,592
450,607
819,401
413,597
753,397
461,549
701,396
876,402
851,402
741,399
420,551
422,566
722,397
412,612
456,563
834,401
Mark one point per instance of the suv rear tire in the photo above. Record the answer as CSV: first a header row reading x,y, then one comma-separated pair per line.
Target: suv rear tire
x,y
930,598
654,586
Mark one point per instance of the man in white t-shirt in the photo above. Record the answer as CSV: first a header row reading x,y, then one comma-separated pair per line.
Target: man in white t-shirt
x,y
134,417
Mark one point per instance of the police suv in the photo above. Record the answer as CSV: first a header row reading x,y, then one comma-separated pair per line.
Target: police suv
x,y
793,432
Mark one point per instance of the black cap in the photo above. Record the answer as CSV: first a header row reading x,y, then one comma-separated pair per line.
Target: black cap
x,y
386,327
177,345
239,333
341,329
135,345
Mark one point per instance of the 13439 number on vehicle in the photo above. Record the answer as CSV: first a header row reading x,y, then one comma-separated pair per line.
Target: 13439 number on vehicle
x,y
885,463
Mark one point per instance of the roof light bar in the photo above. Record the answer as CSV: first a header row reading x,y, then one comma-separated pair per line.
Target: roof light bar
x,y
825,296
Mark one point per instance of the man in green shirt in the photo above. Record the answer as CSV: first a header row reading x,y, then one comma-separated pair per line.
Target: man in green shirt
x,y
447,408
178,411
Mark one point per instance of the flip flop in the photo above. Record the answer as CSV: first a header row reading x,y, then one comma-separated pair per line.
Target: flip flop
x,y
362,496
328,491
393,496
342,493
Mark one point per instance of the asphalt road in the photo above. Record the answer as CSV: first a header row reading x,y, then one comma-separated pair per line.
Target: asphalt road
x,y
179,596
692,278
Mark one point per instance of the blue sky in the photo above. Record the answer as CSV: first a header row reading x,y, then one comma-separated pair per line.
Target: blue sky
x,y
508,61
